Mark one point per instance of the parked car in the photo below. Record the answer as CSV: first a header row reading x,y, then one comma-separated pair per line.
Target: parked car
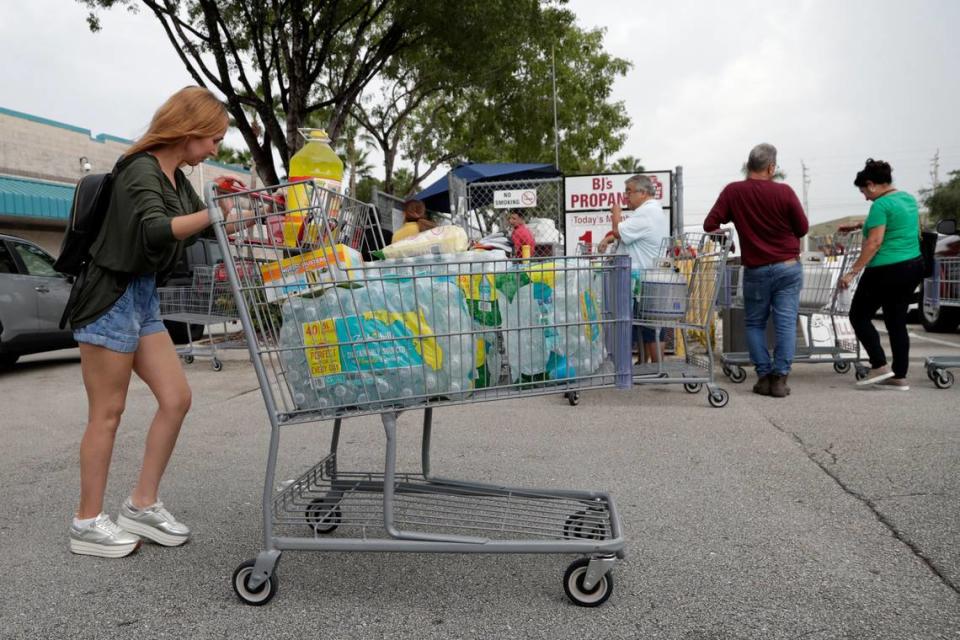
x,y
32,298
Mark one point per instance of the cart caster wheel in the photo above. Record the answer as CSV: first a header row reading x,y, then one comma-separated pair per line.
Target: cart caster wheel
x,y
216,364
324,515
573,585
737,375
841,366
718,398
861,373
573,397
944,379
932,374
187,359
255,597
577,527
692,387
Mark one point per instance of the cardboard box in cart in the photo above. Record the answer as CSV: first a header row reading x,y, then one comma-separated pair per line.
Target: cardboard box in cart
x,y
309,272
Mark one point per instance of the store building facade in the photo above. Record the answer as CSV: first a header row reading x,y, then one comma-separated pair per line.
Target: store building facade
x,y
41,161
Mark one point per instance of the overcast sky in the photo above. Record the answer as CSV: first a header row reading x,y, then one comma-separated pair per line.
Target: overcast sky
x,y
828,82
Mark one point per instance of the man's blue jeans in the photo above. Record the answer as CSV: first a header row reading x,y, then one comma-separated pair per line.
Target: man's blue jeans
x,y
774,288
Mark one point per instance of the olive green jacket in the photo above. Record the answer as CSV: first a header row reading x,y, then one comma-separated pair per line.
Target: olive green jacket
x,y
136,238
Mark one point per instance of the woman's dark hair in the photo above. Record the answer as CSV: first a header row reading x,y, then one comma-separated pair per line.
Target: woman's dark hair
x,y
875,171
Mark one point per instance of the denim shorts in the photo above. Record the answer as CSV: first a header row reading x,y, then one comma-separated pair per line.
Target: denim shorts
x,y
134,315
648,335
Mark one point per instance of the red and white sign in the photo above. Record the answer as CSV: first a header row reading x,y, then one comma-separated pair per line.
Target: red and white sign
x,y
588,200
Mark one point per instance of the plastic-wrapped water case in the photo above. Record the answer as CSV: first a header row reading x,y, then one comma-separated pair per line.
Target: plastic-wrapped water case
x,y
391,342
551,321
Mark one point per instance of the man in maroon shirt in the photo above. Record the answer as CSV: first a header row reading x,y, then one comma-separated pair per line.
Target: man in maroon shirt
x,y
770,223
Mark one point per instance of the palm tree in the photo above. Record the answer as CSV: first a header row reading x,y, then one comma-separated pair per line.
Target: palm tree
x,y
627,164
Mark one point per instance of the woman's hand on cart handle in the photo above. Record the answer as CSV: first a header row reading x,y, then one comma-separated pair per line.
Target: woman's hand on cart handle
x,y
238,219
846,279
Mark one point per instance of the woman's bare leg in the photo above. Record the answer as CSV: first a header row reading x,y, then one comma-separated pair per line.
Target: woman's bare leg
x,y
157,364
106,376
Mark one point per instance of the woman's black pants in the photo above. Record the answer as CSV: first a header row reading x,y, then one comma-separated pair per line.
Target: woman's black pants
x,y
890,288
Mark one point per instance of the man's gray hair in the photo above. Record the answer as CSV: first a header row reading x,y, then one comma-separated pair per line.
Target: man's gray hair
x,y
761,156
644,184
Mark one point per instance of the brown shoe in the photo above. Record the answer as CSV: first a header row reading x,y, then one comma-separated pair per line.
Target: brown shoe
x,y
762,387
778,386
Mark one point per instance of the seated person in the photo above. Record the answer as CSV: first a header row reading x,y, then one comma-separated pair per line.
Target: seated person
x,y
521,234
415,221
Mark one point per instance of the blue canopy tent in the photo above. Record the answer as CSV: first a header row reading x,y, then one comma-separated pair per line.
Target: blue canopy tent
x,y
436,197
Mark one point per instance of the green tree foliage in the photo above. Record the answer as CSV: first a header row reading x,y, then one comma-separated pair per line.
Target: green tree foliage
x,y
454,82
294,57
943,202
509,118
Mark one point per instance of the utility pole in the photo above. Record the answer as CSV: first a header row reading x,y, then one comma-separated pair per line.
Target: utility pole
x,y
935,171
556,131
806,206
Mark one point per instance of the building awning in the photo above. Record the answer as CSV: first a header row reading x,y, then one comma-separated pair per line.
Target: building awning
x,y
35,199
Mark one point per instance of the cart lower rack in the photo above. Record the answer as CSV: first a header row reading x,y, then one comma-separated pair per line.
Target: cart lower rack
x,y
333,337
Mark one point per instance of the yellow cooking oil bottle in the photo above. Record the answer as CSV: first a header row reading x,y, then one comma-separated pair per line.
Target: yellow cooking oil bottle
x,y
317,164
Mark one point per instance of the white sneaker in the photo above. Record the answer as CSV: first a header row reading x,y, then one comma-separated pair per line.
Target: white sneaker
x,y
102,538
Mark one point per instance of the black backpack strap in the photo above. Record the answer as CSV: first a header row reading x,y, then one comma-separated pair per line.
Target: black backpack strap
x,y
74,294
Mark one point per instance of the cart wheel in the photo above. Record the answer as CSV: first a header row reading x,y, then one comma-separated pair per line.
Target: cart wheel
x,y
718,398
737,375
932,374
324,515
944,379
573,397
692,387
216,364
188,359
726,370
841,366
573,585
577,527
861,373
256,597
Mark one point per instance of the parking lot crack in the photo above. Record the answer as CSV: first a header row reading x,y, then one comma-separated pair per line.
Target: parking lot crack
x,y
872,505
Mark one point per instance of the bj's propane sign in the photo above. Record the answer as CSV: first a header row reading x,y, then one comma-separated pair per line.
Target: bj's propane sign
x,y
588,200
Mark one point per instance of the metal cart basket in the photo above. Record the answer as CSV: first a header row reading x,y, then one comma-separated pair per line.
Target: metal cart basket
x,y
681,295
333,337
208,302
822,309
942,289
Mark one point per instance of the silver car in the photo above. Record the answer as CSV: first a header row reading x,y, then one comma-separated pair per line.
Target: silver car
x,y
32,298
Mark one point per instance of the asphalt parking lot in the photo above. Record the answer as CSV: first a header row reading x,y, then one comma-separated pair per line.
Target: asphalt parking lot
x,y
833,513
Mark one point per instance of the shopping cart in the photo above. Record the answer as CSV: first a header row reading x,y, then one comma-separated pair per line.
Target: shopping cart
x,y
332,338
207,301
824,332
941,290
680,295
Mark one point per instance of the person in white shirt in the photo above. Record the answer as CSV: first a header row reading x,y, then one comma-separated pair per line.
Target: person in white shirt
x,y
641,233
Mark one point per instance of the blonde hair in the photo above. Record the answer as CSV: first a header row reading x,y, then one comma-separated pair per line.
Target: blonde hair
x,y
192,112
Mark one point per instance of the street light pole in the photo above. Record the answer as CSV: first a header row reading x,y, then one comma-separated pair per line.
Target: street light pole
x,y
556,131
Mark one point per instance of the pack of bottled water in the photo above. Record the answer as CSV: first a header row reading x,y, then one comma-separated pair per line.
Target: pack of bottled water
x,y
552,323
391,341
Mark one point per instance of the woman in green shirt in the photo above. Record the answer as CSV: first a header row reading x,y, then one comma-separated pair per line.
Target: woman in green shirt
x,y
153,212
892,268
